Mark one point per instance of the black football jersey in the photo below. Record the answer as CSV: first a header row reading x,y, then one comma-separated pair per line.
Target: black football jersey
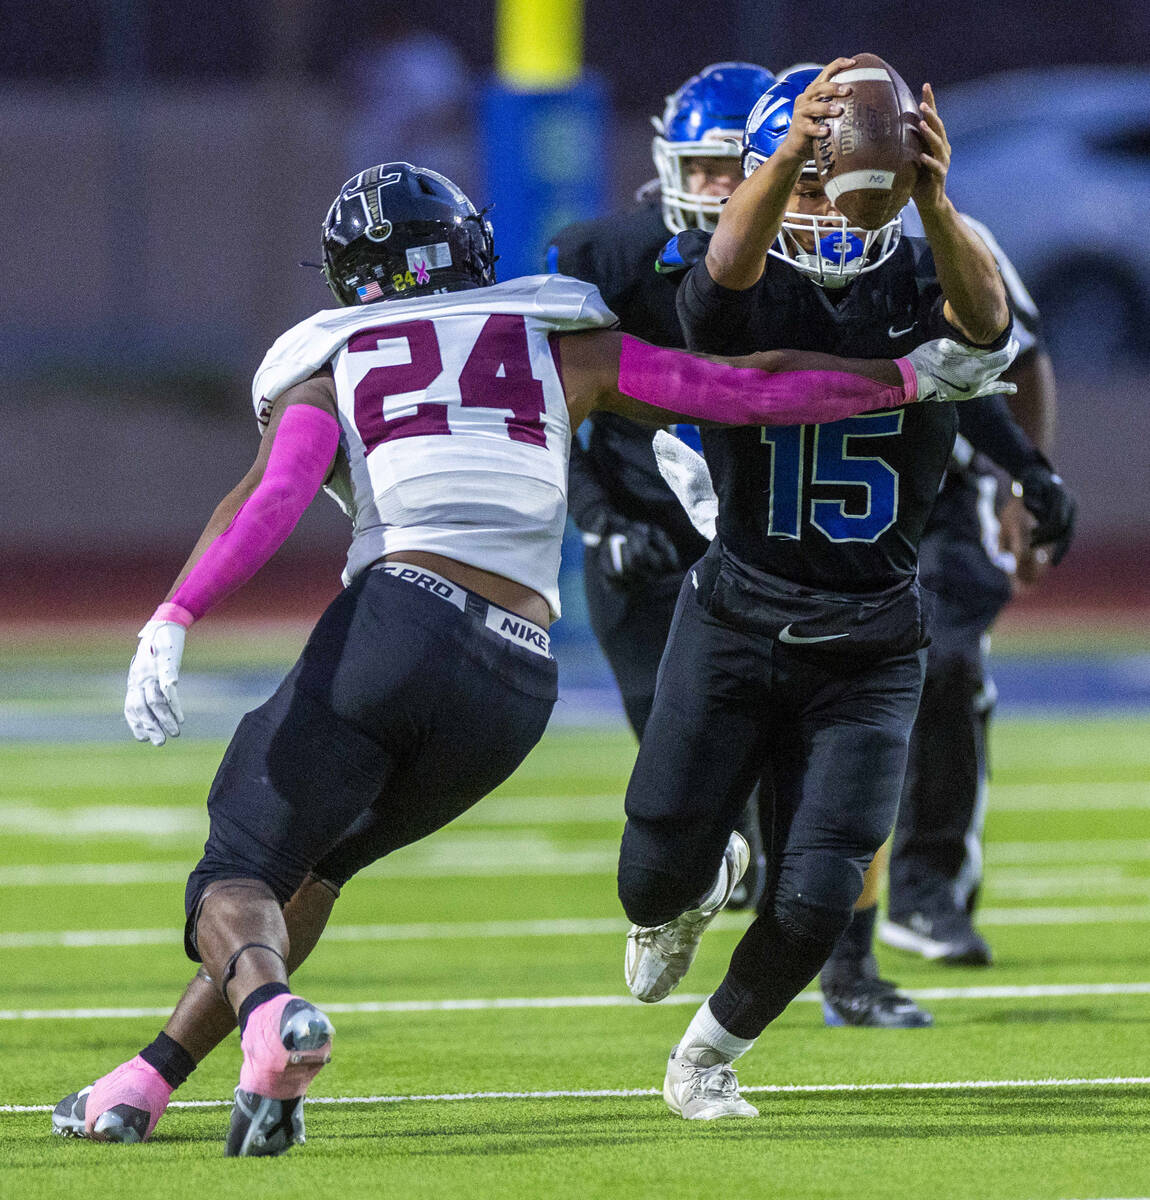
x,y
837,507
618,254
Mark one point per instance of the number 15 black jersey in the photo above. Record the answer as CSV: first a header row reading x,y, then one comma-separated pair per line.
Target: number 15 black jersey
x,y
837,507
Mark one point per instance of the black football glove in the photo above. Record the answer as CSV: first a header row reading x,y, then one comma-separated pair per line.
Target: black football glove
x,y
1052,505
630,553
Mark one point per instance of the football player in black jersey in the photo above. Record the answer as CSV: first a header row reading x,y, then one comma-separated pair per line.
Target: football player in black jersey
x,y
638,539
797,650
972,566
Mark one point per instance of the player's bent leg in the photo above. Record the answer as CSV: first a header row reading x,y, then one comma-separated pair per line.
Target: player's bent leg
x,y
142,1087
240,932
699,758
657,957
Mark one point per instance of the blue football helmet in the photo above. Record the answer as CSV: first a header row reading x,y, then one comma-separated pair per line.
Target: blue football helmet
x,y
703,119
827,249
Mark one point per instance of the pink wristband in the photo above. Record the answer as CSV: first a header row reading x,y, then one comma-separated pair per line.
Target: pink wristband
x,y
173,612
711,391
909,378
305,443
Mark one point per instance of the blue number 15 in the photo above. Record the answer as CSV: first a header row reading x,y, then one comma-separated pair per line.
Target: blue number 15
x,y
836,462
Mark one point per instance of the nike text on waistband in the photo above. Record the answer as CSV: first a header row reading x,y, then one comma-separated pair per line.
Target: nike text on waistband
x,y
508,625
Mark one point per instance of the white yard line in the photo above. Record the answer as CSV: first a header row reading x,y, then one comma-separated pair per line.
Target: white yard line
x,y
945,1085
1035,991
1069,797
27,814
544,927
470,855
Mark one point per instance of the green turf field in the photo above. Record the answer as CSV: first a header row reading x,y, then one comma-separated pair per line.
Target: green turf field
x,y
485,1044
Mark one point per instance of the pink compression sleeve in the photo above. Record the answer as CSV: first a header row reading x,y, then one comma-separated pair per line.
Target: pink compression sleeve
x,y
711,391
304,446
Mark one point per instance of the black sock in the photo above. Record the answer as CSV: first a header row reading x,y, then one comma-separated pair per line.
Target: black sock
x,y
172,1061
267,991
857,940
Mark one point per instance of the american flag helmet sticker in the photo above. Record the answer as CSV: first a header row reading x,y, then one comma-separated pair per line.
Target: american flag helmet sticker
x,y
369,291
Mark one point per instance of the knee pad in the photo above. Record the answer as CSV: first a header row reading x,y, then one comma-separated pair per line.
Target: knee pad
x,y
652,897
664,869
816,895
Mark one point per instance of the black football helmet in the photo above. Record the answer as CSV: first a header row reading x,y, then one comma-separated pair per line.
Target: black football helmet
x,y
397,231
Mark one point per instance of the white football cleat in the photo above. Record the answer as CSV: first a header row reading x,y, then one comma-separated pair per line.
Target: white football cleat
x,y
700,1086
658,956
948,370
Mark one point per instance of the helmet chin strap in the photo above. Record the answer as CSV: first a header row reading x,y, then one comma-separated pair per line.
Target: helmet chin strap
x,y
823,278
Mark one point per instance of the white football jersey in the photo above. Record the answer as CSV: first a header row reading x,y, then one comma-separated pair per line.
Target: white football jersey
x,y
454,432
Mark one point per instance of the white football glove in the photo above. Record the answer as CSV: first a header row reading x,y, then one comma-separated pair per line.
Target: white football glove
x,y
688,476
151,707
948,370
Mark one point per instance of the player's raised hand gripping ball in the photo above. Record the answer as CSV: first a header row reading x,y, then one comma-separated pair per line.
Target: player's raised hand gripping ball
x,y
868,162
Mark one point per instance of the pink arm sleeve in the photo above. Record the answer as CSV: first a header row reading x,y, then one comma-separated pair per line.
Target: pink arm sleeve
x,y
301,454
710,391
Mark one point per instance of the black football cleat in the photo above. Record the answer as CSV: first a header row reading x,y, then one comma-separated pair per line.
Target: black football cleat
x,y
853,994
945,935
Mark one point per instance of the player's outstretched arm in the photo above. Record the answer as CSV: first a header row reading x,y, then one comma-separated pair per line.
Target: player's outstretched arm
x,y
621,374
247,527
975,294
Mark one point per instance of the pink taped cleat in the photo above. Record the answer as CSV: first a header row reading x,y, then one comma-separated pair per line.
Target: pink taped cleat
x,y
286,1043
122,1106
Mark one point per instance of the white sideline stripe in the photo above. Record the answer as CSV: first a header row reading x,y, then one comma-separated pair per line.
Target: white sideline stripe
x,y
1003,992
944,1085
557,927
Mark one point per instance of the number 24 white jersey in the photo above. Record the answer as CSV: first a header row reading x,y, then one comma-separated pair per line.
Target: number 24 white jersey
x,y
454,434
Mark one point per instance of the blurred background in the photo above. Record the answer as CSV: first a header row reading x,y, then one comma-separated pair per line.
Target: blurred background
x,y
166,168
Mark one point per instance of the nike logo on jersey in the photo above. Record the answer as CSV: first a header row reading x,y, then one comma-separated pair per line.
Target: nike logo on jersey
x,y
897,333
797,639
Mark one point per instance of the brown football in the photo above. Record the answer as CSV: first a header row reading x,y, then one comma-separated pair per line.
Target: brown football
x,y
868,162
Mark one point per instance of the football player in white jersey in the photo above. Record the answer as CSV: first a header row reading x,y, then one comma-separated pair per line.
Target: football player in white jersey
x,y
436,406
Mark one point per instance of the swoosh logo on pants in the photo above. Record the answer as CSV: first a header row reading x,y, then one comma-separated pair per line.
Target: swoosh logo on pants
x,y
797,639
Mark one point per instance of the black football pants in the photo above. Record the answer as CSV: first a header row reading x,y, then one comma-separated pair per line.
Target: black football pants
x,y
400,714
829,746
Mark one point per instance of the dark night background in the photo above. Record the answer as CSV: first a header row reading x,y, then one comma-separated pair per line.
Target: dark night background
x,y
166,167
